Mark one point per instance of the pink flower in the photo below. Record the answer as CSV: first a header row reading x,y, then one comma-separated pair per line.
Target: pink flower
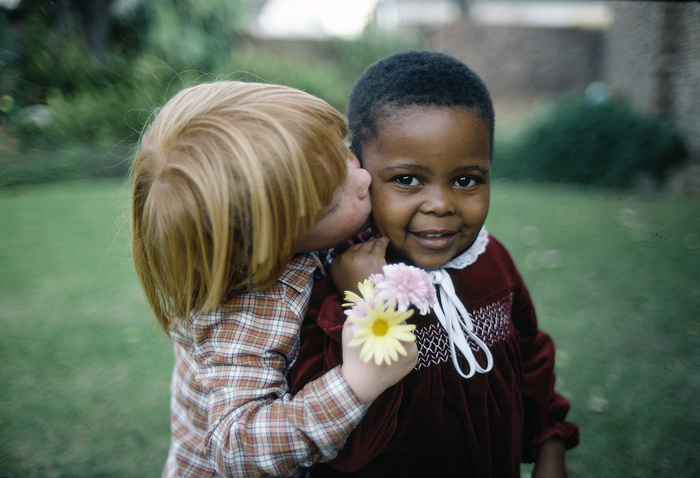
x,y
360,309
407,285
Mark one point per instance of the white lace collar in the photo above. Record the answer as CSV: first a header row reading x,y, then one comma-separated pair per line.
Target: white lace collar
x,y
470,256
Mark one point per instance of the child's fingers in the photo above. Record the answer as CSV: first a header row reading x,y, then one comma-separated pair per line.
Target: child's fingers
x,y
376,245
379,246
350,328
355,247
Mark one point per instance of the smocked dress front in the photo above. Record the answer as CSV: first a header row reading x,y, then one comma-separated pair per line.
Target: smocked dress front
x,y
435,422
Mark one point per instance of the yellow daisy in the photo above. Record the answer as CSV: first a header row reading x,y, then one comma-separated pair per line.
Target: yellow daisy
x,y
367,292
381,333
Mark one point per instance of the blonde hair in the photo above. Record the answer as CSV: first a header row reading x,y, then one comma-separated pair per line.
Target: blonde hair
x,y
225,180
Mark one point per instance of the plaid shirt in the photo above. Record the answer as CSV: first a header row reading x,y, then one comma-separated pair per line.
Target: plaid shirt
x,y
232,413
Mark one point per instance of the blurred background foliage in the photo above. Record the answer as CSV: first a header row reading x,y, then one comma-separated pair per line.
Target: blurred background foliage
x,y
79,79
588,139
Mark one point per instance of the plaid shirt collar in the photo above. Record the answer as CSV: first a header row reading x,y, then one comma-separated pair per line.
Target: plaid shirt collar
x,y
300,271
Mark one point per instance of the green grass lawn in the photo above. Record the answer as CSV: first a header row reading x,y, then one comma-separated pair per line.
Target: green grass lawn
x,y
85,372
84,377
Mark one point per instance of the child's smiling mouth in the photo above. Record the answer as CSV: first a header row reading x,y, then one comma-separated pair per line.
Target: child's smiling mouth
x,y
433,239
430,234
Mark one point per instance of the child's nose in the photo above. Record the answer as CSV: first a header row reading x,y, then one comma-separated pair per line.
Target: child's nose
x,y
438,201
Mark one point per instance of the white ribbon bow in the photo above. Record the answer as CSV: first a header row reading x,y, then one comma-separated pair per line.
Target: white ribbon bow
x,y
458,324
454,317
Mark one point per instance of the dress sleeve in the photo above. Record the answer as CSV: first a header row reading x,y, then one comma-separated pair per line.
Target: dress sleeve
x,y
320,351
255,426
545,410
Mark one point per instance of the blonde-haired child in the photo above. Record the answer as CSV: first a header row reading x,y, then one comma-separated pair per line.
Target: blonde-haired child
x,y
234,185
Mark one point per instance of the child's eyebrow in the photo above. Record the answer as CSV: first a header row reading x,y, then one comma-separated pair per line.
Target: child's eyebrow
x,y
473,168
405,167
416,167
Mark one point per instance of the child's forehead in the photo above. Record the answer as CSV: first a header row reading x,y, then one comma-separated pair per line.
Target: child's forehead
x,y
402,115
427,117
448,140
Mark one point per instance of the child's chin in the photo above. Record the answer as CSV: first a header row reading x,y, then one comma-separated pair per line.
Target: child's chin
x,y
429,265
419,261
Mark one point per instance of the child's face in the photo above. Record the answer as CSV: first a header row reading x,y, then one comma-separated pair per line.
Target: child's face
x,y
430,169
346,216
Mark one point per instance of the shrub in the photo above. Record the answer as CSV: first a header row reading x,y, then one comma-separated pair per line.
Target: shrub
x,y
603,143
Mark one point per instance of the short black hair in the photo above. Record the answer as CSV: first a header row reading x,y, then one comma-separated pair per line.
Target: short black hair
x,y
413,78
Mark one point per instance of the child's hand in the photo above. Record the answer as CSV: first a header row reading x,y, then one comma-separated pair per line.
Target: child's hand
x,y
358,263
367,379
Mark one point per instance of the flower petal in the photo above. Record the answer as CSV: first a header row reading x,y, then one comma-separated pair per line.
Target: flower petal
x,y
383,344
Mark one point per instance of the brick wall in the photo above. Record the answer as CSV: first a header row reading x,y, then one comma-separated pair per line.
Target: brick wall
x,y
686,78
632,52
515,60
652,58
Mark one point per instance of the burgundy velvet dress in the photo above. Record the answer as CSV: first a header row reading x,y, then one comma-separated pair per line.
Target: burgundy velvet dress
x,y
434,422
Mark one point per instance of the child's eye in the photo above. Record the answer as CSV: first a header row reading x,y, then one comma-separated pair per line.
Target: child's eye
x,y
465,182
407,180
